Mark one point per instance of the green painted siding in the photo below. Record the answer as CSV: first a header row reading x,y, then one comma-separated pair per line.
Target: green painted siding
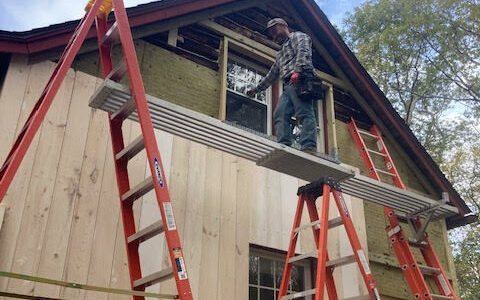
x,y
167,76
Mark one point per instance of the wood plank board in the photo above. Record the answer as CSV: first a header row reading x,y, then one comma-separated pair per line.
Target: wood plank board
x,y
192,236
66,185
226,255
208,281
14,95
85,211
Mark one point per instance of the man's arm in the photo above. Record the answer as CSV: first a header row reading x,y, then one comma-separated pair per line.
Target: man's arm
x,y
272,75
304,52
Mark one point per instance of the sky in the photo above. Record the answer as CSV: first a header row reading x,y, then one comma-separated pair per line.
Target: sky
x,y
14,15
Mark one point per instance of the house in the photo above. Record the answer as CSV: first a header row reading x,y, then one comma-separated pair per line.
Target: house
x,y
62,217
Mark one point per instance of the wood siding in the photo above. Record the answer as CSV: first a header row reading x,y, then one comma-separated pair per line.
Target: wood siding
x,y
62,218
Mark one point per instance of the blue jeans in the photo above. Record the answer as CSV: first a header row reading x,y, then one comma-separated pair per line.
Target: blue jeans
x,y
289,105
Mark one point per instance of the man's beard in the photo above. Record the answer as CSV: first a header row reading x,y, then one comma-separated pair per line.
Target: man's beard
x,y
281,38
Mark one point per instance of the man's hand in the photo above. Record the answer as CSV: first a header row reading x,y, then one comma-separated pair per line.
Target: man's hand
x,y
251,93
295,78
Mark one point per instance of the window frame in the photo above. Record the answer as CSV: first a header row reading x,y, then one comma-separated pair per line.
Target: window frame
x,y
273,96
280,256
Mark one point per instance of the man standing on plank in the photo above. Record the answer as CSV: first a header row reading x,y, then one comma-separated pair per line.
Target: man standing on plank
x,y
294,66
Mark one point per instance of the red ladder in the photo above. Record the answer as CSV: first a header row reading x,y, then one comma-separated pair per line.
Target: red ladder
x,y
98,11
308,194
412,270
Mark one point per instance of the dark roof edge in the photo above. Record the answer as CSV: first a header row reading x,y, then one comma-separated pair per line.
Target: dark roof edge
x,y
57,35
384,104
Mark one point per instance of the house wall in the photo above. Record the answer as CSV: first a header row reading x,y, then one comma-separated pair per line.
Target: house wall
x,y
167,76
62,216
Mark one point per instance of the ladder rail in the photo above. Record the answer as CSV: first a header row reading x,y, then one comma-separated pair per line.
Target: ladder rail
x,y
397,237
324,278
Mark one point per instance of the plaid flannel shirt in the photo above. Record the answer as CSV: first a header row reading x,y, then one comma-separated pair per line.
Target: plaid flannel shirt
x,y
294,56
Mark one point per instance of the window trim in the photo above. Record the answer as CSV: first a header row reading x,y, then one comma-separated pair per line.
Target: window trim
x,y
255,55
279,255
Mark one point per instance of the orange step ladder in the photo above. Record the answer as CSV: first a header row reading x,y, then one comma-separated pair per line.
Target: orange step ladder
x,y
119,31
412,270
308,194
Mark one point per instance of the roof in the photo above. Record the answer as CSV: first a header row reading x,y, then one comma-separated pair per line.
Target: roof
x,y
42,39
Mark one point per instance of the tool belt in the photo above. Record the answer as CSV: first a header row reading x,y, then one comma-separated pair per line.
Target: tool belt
x,y
309,87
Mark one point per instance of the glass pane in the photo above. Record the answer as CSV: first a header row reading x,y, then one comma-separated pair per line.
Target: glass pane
x,y
266,294
253,273
247,113
266,272
262,96
297,279
278,273
252,293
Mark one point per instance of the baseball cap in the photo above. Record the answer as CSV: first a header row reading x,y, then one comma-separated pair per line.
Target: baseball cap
x,y
276,21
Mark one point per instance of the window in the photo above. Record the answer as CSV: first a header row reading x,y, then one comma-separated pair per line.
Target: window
x,y
265,275
252,113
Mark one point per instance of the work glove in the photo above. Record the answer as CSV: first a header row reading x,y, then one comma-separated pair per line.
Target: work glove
x,y
295,78
251,93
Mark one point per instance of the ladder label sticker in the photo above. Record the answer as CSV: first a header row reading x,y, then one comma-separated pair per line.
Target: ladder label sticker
x,y
443,283
376,294
158,172
180,263
380,145
167,206
344,205
363,261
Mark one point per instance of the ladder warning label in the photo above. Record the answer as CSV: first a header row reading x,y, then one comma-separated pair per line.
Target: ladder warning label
x,y
158,172
344,205
180,263
363,260
443,283
167,206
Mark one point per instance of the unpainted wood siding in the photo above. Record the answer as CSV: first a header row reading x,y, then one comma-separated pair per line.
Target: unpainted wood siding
x,y
62,217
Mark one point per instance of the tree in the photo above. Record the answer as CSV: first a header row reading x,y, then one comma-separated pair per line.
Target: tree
x,y
425,56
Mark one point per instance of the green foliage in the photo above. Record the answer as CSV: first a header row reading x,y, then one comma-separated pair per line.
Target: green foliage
x,y
425,56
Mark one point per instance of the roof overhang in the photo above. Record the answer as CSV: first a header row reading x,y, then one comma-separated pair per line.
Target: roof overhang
x,y
42,39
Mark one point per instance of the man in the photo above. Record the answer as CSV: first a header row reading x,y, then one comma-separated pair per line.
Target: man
x,y
294,66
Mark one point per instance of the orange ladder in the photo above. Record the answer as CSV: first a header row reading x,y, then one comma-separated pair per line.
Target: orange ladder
x,y
98,11
412,270
308,194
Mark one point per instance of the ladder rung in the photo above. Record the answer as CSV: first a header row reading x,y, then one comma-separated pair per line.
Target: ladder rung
x,y
153,278
376,152
111,36
124,111
427,270
118,72
335,222
334,263
385,172
417,244
139,190
331,224
441,297
131,150
358,298
147,232
312,254
299,294
367,134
